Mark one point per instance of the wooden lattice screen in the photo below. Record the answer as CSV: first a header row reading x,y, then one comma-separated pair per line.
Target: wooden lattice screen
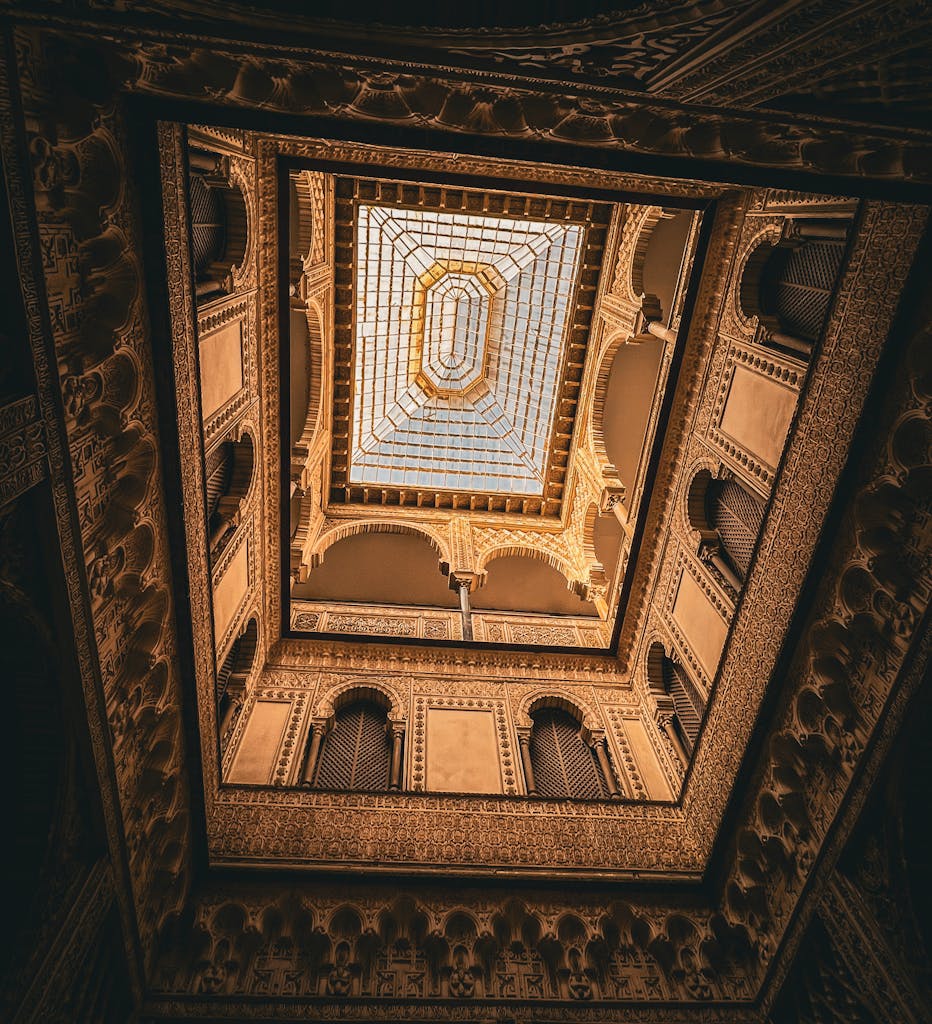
x,y
564,765
356,752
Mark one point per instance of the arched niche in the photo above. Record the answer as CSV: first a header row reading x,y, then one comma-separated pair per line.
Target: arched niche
x,y
230,473
659,257
666,678
563,763
525,582
356,752
233,677
606,541
219,225
727,517
788,284
378,563
623,410
735,515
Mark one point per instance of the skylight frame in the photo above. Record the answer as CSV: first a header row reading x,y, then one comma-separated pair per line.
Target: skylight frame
x,y
407,429
592,216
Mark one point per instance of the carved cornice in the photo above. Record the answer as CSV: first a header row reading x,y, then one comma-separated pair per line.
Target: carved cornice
x,y
461,103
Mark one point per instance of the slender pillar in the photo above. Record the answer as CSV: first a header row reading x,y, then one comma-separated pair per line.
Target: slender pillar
x,y
397,730
524,742
792,342
711,556
465,610
224,522
608,773
656,328
310,763
829,230
665,721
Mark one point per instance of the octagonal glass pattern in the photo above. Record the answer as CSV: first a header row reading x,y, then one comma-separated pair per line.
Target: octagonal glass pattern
x,y
456,323
460,330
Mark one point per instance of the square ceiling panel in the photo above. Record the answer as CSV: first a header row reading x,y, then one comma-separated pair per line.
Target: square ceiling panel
x,y
462,319
460,329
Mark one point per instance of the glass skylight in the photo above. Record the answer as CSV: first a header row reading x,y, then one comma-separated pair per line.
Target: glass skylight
x,y
460,326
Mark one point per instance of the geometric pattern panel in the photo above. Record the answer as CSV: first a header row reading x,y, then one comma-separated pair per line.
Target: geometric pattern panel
x,y
459,341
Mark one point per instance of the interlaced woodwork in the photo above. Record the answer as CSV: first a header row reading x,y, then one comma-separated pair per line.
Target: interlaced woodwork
x,y
218,472
736,515
797,286
208,225
356,752
563,764
688,713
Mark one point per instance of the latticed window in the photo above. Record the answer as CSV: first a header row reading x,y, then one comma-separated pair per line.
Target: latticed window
x,y
356,753
686,701
218,471
208,225
736,515
797,284
563,763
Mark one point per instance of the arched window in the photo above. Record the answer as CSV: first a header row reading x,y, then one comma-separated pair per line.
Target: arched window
x,y
229,472
564,764
736,516
232,676
796,286
686,701
218,224
208,226
356,753
670,683
789,285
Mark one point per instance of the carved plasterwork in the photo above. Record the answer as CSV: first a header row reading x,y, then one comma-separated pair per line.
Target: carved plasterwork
x,y
417,736
841,697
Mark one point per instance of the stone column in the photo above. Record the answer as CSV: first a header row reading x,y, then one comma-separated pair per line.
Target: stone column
x,y
792,342
825,230
224,522
608,772
665,721
711,556
397,732
524,742
656,328
463,581
318,730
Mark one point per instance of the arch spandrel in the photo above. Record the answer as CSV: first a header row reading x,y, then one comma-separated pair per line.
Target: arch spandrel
x,y
563,700
434,537
336,696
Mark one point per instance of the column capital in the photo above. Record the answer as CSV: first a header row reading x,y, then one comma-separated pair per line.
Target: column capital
x,y
465,578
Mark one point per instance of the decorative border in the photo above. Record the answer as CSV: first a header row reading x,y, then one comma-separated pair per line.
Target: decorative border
x,y
683,563
417,741
767,364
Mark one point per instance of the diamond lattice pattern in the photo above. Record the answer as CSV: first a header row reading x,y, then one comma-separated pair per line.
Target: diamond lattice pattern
x,y
459,337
